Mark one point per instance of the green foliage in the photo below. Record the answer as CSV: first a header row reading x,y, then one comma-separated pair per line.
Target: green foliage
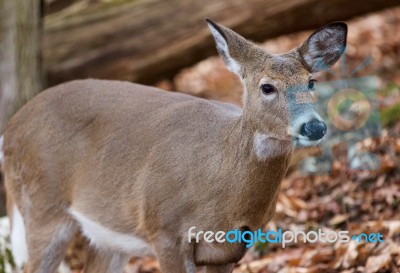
x,y
10,257
6,258
390,89
391,115
345,105
261,247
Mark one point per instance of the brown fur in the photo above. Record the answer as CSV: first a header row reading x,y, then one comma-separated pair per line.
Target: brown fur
x,y
150,163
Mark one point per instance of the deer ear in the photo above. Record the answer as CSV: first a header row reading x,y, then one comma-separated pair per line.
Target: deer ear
x,y
223,38
324,47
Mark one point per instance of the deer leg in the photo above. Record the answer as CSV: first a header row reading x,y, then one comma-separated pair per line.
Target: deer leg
x,y
47,243
173,258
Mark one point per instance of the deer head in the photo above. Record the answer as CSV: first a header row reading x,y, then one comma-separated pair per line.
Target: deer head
x,y
279,88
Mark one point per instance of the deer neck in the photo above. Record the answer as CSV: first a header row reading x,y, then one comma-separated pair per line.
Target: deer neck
x,y
256,145
259,163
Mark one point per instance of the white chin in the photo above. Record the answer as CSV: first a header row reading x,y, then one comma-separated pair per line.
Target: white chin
x,y
301,142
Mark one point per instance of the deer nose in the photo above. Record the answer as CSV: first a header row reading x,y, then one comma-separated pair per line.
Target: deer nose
x,y
314,129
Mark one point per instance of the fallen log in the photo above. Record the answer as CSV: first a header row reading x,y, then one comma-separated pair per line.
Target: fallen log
x,y
147,41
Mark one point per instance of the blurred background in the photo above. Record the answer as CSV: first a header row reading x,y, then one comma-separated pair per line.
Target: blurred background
x,y
166,43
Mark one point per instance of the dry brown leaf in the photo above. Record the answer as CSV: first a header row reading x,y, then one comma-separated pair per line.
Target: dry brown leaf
x,y
375,263
338,219
351,255
394,228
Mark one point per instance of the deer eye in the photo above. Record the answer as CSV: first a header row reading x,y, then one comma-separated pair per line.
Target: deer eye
x,y
267,88
311,84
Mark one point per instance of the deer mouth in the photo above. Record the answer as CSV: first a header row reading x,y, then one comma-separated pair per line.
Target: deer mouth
x,y
301,141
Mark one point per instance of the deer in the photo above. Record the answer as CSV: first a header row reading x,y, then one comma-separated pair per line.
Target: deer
x,y
133,168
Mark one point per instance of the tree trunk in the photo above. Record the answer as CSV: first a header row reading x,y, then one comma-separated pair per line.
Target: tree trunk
x,y
147,41
7,60
20,66
20,69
